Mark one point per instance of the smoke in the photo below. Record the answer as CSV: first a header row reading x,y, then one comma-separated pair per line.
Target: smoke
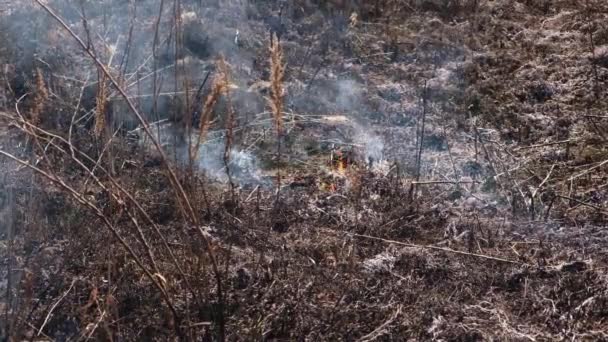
x,y
349,95
373,147
243,165
123,34
348,100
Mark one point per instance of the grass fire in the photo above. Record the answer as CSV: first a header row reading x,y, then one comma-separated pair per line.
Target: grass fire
x,y
223,170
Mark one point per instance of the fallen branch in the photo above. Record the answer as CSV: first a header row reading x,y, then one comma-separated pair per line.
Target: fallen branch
x,y
599,209
596,116
448,250
545,144
379,331
588,170
544,181
446,182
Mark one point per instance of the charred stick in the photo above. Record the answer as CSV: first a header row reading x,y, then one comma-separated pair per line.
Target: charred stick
x,y
199,96
312,79
124,63
422,128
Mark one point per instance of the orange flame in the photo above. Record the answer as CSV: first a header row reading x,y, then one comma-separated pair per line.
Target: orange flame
x,y
341,163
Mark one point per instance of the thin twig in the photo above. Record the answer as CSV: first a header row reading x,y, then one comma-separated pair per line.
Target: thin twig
x,y
446,182
379,331
545,144
48,315
588,170
596,116
544,181
421,142
251,194
448,250
599,209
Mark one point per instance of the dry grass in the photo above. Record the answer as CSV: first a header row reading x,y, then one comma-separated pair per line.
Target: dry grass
x,y
354,261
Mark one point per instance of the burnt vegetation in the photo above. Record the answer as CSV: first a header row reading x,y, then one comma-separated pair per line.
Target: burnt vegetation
x,y
381,170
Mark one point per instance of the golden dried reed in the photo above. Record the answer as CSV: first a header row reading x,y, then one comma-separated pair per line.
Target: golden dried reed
x,y
40,97
100,111
277,73
218,87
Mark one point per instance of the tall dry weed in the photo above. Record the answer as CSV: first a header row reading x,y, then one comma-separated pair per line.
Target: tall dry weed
x,y
277,74
100,110
40,98
225,73
217,89
275,100
230,123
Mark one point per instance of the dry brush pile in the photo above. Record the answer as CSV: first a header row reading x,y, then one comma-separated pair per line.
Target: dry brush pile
x,y
339,170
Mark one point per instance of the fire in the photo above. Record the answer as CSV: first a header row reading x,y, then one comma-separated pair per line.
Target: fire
x,y
328,186
339,163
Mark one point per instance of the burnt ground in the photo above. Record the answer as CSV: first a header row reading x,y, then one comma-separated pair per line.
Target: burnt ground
x,y
496,234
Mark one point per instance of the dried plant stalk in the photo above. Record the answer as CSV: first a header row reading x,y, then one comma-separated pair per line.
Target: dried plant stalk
x,y
40,97
100,111
218,87
230,121
277,73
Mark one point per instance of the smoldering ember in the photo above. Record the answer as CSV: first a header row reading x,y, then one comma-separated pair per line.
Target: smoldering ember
x,y
305,170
